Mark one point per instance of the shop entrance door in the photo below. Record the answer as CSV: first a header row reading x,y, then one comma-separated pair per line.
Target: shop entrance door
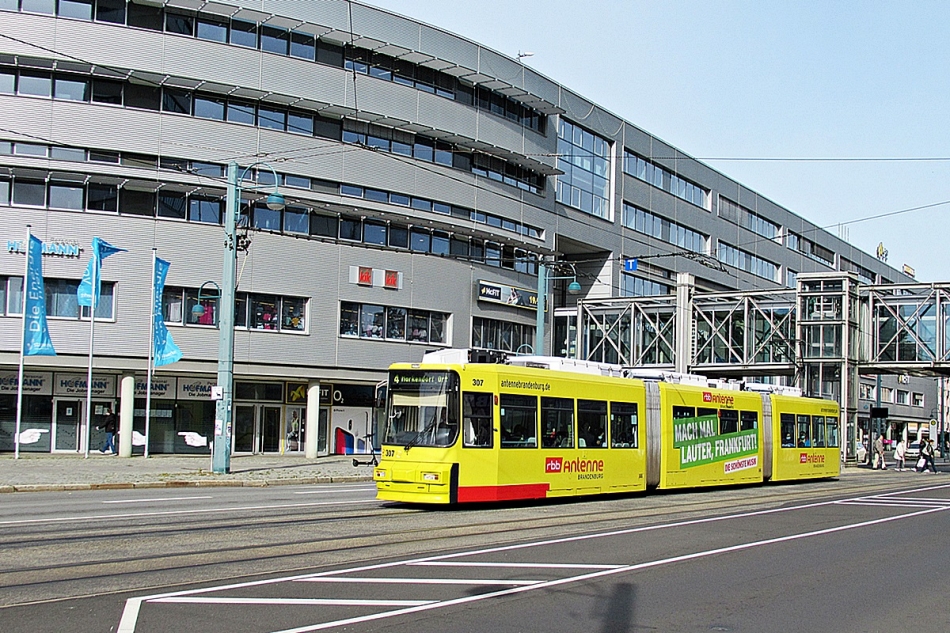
x,y
323,428
256,428
245,419
66,425
69,429
270,429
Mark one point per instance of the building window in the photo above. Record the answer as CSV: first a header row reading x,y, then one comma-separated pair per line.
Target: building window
x,y
655,226
738,214
182,306
640,287
917,399
748,262
585,160
502,335
392,323
660,177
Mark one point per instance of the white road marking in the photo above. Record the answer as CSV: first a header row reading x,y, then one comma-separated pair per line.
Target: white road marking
x,y
158,499
593,575
137,515
290,601
324,491
419,581
132,607
516,565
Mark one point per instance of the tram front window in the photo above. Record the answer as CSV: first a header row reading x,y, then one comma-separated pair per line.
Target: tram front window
x,y
423,409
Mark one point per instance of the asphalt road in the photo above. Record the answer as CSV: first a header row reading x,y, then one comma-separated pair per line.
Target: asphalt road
x,y
827,556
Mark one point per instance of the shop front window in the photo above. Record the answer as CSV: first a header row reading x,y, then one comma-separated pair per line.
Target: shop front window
x,y
264,315
371,321
418,327
294,314
349,319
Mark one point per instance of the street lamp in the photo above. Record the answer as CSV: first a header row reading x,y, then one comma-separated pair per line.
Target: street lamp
x,y
573,288
221,449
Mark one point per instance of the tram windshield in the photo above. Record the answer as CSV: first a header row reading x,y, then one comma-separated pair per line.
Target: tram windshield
x,y
423,408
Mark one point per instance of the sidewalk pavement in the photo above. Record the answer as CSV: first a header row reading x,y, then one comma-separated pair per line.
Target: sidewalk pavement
x,y
34,472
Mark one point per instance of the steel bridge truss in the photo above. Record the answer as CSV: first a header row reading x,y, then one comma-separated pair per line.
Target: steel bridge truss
x,y
820,335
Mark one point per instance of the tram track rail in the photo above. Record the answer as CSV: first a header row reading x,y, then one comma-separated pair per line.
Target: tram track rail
x,y
61,562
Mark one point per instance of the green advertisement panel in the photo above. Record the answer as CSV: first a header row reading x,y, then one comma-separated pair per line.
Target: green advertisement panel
x,y
700,443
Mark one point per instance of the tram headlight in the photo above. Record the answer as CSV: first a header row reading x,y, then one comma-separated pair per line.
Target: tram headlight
x,y
430,476
380,473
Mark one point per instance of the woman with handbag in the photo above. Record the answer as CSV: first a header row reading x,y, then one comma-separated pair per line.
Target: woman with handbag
x,y
927,454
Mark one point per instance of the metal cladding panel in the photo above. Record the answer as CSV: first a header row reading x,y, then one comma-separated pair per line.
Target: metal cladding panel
x,y
31,116
330,13
501,68
318,158
201,139
375,96
303,79
459,189
541,86
114,46
197,59
379,170
385,26
107,127
448,47
444,114
32,29
500,132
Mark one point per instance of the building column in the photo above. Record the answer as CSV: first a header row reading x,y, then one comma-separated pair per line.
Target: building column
x,y
126,411
313,419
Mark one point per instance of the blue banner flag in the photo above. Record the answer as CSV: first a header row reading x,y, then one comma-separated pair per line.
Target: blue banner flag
x,y
165,350
37,341
100,250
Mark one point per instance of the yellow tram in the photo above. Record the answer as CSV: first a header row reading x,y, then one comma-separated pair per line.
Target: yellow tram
x,y
530,427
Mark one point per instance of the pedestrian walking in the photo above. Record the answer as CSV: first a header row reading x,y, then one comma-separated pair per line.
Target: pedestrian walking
x,y
900,454
879,453
110,427
927,453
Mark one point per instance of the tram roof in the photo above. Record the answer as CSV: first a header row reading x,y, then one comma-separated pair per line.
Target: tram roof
x,y
466,356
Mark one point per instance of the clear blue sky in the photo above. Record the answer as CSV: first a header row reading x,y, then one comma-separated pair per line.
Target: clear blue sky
x,y
763,79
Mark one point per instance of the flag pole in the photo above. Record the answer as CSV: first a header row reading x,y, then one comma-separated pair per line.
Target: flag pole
x,y
19,384
92,334
151,356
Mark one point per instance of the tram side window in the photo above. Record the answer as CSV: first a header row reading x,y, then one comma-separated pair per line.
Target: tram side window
x,y
788,430
831,431
804,428
748,420
623,425
557,422
728,421
519,421
712,415
591,424
818,431
680,413
477,419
